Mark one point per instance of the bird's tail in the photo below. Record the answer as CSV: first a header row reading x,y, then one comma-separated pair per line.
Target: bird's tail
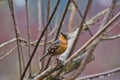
x,y
43,56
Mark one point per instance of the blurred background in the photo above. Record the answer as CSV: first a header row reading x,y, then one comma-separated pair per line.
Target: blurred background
x,y
107,53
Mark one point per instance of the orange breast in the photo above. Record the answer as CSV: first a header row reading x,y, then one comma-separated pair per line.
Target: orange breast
x,y
61,50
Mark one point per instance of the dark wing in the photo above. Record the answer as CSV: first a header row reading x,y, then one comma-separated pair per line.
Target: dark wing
x,y
53,47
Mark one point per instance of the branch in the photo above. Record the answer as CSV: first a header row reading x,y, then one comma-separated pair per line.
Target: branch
x,y
90,50
98,34
101,75
112,27
46,38
74,65
8,53
72,16
17,33
112,37
83,63
20,40
62,19
54,67
28,35
85,27
33,53
108,13
7,43
39,17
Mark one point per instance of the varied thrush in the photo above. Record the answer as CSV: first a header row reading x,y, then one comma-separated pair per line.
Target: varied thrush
x,y
57,47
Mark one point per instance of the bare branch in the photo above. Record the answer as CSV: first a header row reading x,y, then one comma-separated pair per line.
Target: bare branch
x,y
46,37
7,43
112,27
108,14
8,53
101,75
33,53
39,17
97,17
83,63
28,35
112,37
53,68
80,26
100,32
85,26
90,50
71,19
62,19
17,33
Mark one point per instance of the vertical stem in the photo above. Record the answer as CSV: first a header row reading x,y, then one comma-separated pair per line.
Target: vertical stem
x,y
81,25
43,21
39,17
108,14
28,34
90,50
36,46
17,33
39,21
45,45
71,19
62,19
80,14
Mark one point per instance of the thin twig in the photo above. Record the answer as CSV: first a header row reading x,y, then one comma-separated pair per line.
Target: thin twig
x,y
62,19
14,39
7,43
44,49
48,62
48,9
84,62
42,75
117,23
97,17
24,41
17,33
48,71
112,37
101,31
73,65
46,34
92,21
71,19
33,53
81,26
8,53
101,75
28,35
40,23
108,14
53,68
39,17
80,14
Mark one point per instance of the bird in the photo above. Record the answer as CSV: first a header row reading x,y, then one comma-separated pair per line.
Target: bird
x,y
57,47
